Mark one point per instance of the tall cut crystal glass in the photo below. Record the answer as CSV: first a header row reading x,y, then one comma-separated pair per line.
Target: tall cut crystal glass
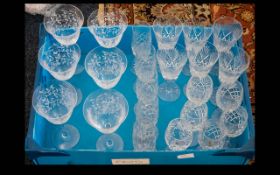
x,y
199,90
194,114
146,92
226,31
167,30
141,43
144,137
147,113
171,62
232,64
146,69
178,135
202,62
212,136
234,123
229,96
196,34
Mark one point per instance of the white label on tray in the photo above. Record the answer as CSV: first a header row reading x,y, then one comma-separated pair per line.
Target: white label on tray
x,y
185,156
130,161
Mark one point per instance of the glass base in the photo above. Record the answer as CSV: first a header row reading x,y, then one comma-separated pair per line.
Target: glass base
x,y
109,142
169,91
66,137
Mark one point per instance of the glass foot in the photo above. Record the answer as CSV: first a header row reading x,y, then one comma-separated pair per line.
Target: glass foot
x,y
169,91
67,137
109,142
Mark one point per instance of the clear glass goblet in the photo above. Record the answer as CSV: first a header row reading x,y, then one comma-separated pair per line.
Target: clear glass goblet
x,y
202,61
107,27
212,136
178,135
234,123
195,115
141,43
63,22
59,60
229,96
232,64
55,101
199,89
226,31
167,30
171,63
195,34
105,110
106,66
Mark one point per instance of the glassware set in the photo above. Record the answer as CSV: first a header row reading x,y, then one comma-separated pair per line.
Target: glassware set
x,y
106,109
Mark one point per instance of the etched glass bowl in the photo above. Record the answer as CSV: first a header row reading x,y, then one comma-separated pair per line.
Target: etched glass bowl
x,y
105,110
55,101
106,66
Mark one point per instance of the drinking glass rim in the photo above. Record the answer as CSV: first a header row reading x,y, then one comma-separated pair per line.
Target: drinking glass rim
x,y
94,17
191,59
51,81
102,91
43,47
246,55
176,119
215,24
49,14
167,17
124,58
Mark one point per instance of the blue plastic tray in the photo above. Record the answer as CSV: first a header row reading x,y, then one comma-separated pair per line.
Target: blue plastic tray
x,y
41,151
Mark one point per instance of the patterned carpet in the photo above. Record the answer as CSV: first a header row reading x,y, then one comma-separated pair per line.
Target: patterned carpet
x,y
245,13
